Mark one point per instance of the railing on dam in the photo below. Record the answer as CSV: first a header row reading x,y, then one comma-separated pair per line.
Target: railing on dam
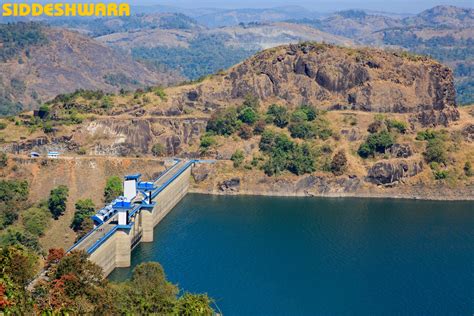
x,y
142,201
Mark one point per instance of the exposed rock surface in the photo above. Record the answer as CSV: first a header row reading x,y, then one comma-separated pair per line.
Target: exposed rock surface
x,y
401,151
468,132
201,172
336,77
391,172
231,185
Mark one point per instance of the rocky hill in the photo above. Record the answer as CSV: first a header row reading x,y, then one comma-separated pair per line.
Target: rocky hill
x,y
332,77
444,32
307,119
62,61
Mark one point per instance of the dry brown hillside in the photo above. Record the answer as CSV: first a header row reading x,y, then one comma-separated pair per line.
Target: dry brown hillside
x,y
66,61
400,107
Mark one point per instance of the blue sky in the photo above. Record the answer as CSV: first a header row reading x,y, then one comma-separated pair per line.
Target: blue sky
x,y
412,6
399,6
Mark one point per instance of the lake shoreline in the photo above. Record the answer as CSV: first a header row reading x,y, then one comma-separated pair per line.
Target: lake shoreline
x,y
362,195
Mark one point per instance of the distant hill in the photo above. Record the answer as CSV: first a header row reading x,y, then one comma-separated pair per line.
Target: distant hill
x,y
202,41
443,32
200,51
37,63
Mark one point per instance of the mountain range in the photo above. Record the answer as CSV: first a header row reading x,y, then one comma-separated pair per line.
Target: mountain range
x,y
158,47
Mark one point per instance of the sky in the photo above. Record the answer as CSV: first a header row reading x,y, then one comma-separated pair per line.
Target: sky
x,y
400,6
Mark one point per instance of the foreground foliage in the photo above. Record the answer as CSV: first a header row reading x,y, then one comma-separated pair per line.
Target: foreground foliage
x,y
74,285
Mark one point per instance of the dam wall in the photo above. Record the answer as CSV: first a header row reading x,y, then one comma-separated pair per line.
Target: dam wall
x,y
110,244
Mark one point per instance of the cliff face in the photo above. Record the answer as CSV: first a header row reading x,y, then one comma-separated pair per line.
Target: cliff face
x,y
336,78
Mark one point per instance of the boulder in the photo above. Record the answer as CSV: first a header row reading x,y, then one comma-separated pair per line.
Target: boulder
x,y
391,172
231,185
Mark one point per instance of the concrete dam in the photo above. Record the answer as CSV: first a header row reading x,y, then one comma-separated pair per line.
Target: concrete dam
x,y
130,219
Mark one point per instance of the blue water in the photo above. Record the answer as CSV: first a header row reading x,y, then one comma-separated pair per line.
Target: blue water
x,y
317,256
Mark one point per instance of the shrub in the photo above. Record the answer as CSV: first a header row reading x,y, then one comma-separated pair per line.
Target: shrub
x,y
36,220
301,160
278,115
468,169
237,158
400,126
426,134
339,163
224,122
3,159
113,189
13,190
299,116
303,130
3,126
378,142
251,101
259,127
57,201
158,150
310,112
207,141
440,174
248,116
48,128
160,92
322,128
436,151
245,132
81,151
43,112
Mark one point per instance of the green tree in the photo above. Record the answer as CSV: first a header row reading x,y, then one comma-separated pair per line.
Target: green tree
x,y
57,201
17,267
193,304
113,189
377,142
224,122
248,115
301,160
16,237
278,115
148,292
81,221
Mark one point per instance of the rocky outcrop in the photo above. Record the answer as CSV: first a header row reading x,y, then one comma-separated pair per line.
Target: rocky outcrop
x,y
468,132
320,185
137,136
201,172
394,171
334,77
229,186
401,151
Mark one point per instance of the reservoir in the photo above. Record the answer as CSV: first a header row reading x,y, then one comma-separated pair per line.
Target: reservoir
x,y
318,256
